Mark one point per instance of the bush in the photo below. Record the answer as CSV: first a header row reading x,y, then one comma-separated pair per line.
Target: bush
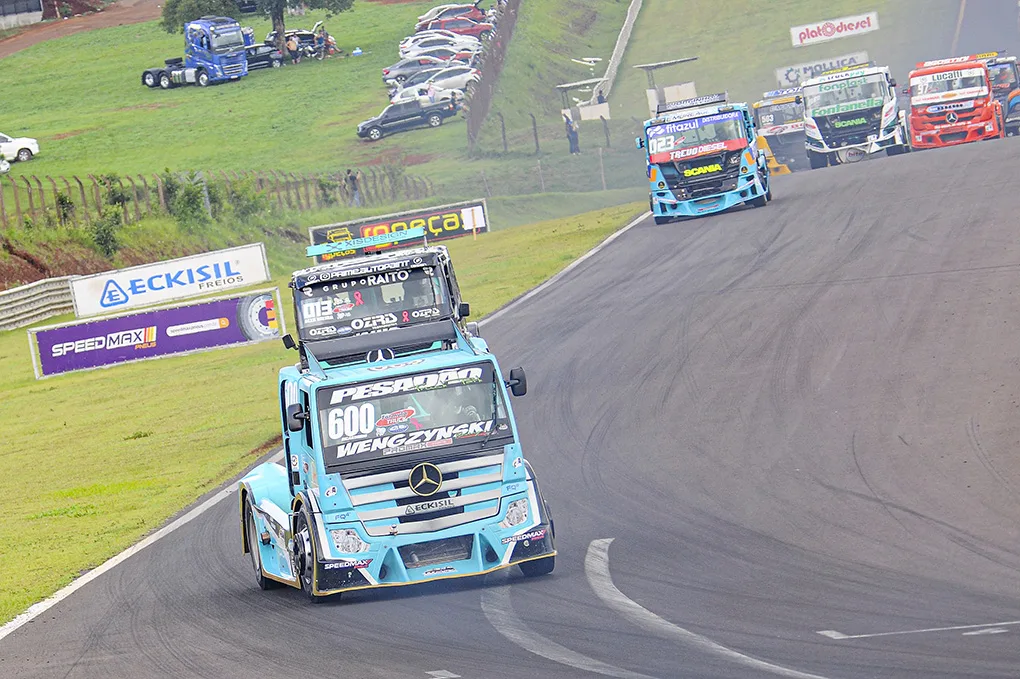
x,y
246,200
65,207
104,232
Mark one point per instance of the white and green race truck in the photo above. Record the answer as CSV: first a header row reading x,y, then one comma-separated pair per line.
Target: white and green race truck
x,y
852,113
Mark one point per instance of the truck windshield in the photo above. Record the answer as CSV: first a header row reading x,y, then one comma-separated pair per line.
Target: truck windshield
x,y
841,96
780,114
425,412
228,40
948,85
368,302
1003,76
668,142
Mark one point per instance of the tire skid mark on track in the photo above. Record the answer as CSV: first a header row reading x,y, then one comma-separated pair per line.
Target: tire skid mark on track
x,y
498,608
860,472
596,568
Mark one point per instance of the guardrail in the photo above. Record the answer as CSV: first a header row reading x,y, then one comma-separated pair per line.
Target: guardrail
x,y
618,51
34,302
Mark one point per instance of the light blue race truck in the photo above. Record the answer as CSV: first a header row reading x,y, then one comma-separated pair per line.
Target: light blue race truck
x,y
703,157
401,457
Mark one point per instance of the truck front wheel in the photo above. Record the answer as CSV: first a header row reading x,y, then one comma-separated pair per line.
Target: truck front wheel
x,y
164,81
203,79
817,160
252,537
304,557
149,79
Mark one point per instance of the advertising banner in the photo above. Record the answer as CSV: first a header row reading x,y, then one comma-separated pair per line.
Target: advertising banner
x,y
439,223
222,322
791,76
833,29
161,282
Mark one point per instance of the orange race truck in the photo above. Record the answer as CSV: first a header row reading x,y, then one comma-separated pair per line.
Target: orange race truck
x,y
952,102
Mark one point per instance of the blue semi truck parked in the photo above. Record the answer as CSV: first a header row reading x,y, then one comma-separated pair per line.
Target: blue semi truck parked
x,y
213,53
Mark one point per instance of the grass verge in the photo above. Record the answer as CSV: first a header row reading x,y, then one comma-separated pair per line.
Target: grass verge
x,y
93,461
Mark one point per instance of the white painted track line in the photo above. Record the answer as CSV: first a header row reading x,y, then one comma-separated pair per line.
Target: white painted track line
x,y
839,636
596,568
498,609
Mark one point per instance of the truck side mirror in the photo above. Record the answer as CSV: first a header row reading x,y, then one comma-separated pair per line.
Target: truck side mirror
x,y
798,99
464,309
639,142
518,382
892,81
296,417
905,90
288,342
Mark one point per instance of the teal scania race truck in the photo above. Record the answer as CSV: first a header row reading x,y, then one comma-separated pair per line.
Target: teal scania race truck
x,y
401,456
851,113
703,157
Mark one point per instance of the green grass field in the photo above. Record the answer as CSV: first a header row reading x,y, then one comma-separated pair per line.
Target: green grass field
x,y
93,461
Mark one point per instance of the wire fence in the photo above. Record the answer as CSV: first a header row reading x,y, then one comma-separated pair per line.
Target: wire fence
x,y
479,96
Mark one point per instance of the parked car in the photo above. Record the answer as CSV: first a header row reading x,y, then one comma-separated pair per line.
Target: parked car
x,y
405,68
18,148
458,11
478,29
454,78
426,46
420,93
446,54
437,33
5,167
405,116
429,40
416,79
439,9
263,56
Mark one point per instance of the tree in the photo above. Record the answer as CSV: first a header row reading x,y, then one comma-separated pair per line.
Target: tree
x,y
176,13
274,9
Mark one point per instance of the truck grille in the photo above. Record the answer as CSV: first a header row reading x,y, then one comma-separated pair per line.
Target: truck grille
x,y
233,69
437,551
386,505
848,136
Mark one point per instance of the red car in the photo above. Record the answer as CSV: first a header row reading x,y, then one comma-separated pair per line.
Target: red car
x,y
461,26
447,54
460,12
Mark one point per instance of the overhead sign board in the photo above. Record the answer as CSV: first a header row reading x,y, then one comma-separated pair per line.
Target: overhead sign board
x,y
437,223
161,282
834,29
791,76
156,333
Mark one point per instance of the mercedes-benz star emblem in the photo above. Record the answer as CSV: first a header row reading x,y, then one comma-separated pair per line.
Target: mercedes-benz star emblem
x,y
425,479
951,117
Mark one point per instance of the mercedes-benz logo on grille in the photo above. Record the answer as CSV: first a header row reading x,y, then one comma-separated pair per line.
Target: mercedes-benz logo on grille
x,y
425,479
951,117
377,355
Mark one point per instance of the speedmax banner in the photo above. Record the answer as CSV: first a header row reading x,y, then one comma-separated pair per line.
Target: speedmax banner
x,y
439,223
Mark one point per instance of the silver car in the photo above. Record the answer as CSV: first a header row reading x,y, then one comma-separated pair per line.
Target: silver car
x,y
454,78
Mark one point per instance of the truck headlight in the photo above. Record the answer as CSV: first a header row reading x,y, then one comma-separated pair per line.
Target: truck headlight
x,y
348,541
516,514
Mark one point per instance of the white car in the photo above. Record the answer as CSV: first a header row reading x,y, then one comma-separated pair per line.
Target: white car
x,y
435,33
18,148
420,93
453,78
439,9
426,45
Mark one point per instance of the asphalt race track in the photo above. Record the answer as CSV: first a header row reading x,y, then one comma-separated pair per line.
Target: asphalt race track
x,y
797,419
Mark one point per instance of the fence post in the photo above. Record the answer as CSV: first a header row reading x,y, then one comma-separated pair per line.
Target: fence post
x,y
375,185
96,195
602,169
276,187
148,195
605,129
84,203
56,203
17,201
541,177
308,196
534,130
160,192
74,212
486,182
42,196
3,208
31,200
502,130
134,194
124,205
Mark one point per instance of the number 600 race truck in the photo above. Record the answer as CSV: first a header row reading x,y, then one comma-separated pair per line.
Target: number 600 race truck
x,y
703,157
851,113
402,463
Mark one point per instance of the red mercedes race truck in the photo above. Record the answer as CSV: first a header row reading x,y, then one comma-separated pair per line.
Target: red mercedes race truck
x,y
952,102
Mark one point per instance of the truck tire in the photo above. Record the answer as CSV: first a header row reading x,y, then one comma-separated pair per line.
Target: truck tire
x,y
538,567
164,80
375,134
304,557
202,79
817,160
435,120
760,201
149,79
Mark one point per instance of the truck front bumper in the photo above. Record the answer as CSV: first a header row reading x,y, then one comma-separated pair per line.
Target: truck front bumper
x,y
748,188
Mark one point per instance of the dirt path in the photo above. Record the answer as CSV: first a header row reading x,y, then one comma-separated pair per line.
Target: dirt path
x,y
123,12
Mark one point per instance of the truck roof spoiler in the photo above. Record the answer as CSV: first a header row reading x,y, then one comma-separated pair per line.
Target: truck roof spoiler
x,y
983,56
786,92
849,67
693,102
414,339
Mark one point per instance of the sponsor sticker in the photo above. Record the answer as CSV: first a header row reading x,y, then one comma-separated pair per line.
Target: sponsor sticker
x,y
396,417
533,535
346,565
430,506
440,570
833,29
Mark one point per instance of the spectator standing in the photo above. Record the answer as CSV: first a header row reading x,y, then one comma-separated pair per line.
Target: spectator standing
x,y
292,49
602,97
354,187
572,136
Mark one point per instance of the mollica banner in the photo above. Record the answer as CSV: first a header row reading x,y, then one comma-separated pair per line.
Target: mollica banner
x,y
833,29
217,323
151,284
791,76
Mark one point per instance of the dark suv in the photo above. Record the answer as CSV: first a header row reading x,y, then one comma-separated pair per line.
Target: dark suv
x,y
398,117
263,56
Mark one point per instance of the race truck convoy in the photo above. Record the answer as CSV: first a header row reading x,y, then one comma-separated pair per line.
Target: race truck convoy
x,y
779,117
951,102
703,157
402,462
213,53
1005,78
851,113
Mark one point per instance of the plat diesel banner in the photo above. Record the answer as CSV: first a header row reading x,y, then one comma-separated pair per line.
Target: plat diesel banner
x,y
151,284
833,29
214,324
440,223
791,76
